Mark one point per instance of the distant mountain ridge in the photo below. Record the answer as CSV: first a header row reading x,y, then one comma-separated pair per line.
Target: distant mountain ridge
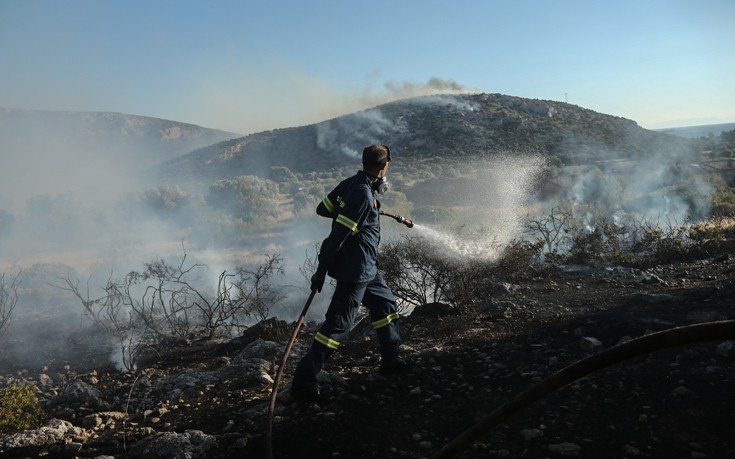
x,y
93,155
146,139
432,126
693,132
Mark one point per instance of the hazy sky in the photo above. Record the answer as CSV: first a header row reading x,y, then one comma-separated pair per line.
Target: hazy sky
x,y
247,66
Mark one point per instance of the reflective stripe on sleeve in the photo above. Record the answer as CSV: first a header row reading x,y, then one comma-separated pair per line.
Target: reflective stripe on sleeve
x,y
347,222
383,322
328,204
325,340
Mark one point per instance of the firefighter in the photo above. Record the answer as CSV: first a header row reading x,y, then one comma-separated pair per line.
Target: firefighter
x,y
348,255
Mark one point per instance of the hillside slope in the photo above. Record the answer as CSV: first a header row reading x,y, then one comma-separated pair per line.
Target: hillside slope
x,y
431,126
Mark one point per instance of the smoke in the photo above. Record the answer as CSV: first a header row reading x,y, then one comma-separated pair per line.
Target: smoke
x,y
664,189
289,97
363,128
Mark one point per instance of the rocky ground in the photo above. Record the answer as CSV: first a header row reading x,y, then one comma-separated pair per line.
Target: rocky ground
x,y
204,399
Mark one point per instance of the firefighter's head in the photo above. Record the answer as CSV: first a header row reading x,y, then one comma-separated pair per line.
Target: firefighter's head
x,y
375,159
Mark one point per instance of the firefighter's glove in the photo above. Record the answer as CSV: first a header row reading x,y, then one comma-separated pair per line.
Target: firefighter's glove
x,y
317,281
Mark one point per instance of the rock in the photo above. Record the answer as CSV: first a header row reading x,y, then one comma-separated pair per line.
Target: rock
x,y
103,420
192,444
261,349
425,445
56,431
430,352
725,348
590,344
252,371
80,393
432,310
189,380
650,278
505,287
531,434
629,450
45,382
565,449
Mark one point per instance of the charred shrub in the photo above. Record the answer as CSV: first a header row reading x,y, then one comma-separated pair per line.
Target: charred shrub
x,y
415,271
419,273
8,300
475,279
170,303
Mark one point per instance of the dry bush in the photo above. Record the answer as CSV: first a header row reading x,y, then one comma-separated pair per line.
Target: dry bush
x,y
161,304
8,300
415,271
419,273
600,241
704,239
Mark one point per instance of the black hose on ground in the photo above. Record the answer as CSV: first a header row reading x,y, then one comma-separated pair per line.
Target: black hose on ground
x,y
680,336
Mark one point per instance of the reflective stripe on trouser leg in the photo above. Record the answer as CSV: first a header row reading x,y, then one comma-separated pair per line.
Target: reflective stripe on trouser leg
x,y
385,320
339,318
383,314
327,341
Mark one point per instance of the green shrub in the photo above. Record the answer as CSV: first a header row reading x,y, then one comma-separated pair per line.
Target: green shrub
x,y
703,239
19,409
723,202
606,244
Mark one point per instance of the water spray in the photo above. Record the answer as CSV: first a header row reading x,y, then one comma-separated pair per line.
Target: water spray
x,y
399,219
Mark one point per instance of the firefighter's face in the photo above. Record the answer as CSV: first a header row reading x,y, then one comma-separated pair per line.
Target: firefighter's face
x,y
384,170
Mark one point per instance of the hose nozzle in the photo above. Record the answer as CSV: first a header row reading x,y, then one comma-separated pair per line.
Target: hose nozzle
x,y
399,219
404,220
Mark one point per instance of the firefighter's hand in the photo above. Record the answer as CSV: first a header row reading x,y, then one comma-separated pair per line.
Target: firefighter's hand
x,y
317,281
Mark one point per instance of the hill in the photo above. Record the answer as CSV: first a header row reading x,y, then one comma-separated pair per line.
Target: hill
x,y
93,155
449,126
141,134
142,138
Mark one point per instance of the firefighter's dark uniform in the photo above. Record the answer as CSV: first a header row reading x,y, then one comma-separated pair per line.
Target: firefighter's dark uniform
x,y
349,255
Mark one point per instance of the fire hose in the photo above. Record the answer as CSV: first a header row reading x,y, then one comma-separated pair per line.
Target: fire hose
x,y
399,219
680,336
279,374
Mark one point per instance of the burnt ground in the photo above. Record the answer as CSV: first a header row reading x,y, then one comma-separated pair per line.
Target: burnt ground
x,y
674,403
